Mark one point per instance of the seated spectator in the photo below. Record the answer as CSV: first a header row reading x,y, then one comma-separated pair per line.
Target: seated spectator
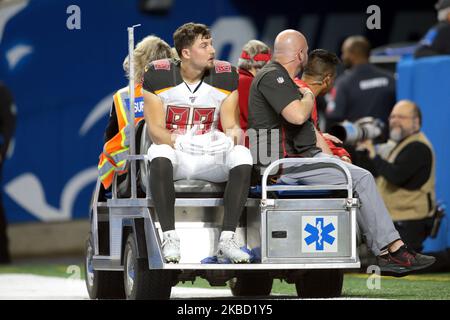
x,y
437,39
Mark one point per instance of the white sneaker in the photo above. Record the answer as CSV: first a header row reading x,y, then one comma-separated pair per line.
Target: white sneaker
x,y
171,246
228,249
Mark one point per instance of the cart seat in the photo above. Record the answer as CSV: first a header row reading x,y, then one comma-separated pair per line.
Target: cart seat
x,y
256,191
198,189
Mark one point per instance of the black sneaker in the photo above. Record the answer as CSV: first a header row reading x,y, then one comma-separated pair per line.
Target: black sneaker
x,y
403,262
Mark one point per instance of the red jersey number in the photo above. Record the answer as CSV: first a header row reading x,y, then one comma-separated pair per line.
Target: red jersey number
x,y
204,118
177,118
180,118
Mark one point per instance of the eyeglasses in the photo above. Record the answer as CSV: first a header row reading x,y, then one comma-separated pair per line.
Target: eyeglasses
x,y
400,117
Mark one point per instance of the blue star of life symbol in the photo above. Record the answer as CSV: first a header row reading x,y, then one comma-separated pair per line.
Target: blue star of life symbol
x,y
319,234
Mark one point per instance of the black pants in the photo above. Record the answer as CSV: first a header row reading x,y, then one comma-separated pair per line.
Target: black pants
x,y
414,232
4,248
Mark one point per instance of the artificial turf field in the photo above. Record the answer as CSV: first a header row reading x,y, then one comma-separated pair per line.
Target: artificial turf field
x,y
424,286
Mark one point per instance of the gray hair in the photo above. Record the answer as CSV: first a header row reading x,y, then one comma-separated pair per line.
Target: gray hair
x,y
443,14
253,47
147,50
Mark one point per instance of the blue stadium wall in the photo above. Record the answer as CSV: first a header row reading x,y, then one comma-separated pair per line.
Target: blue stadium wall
x,y
426,81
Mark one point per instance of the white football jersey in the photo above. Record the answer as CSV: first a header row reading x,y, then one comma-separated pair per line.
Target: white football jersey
x,y
187,105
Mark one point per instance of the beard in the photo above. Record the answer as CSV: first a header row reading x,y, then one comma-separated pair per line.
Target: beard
x,y
397,134
203,65
210,65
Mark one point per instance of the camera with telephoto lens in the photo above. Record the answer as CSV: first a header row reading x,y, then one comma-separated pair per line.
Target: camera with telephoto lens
x,y
367,128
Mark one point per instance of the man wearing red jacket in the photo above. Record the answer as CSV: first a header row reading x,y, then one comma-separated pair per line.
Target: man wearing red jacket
x,y
318,76
255,55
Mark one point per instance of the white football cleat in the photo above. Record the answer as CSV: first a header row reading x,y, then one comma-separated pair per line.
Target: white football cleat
x,y
171,246
228,250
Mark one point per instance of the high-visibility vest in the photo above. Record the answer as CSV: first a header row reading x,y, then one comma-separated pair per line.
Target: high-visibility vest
x,y
115,151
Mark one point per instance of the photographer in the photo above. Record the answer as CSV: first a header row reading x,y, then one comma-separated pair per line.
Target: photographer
x,y
405,171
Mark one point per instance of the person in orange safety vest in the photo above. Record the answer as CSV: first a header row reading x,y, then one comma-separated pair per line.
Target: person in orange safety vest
x,y
117,135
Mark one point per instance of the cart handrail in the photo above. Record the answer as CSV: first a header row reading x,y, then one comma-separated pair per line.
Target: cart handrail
x,y
329,163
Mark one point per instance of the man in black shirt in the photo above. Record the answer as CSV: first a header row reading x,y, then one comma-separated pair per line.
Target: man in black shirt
x,y
363,90
405,168
275,103
275,97
7,127
437,39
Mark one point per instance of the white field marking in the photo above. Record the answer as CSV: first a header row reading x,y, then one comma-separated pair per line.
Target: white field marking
x,y
34,287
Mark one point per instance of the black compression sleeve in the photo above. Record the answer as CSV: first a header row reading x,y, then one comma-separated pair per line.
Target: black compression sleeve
x,y
163,192
236,193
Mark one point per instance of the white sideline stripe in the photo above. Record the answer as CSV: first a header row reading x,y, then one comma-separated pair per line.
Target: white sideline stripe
x,y
34,287
30,287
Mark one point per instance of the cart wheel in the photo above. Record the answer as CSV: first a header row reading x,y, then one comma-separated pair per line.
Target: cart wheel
x,y
251,284
141,282
101,284
320,284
